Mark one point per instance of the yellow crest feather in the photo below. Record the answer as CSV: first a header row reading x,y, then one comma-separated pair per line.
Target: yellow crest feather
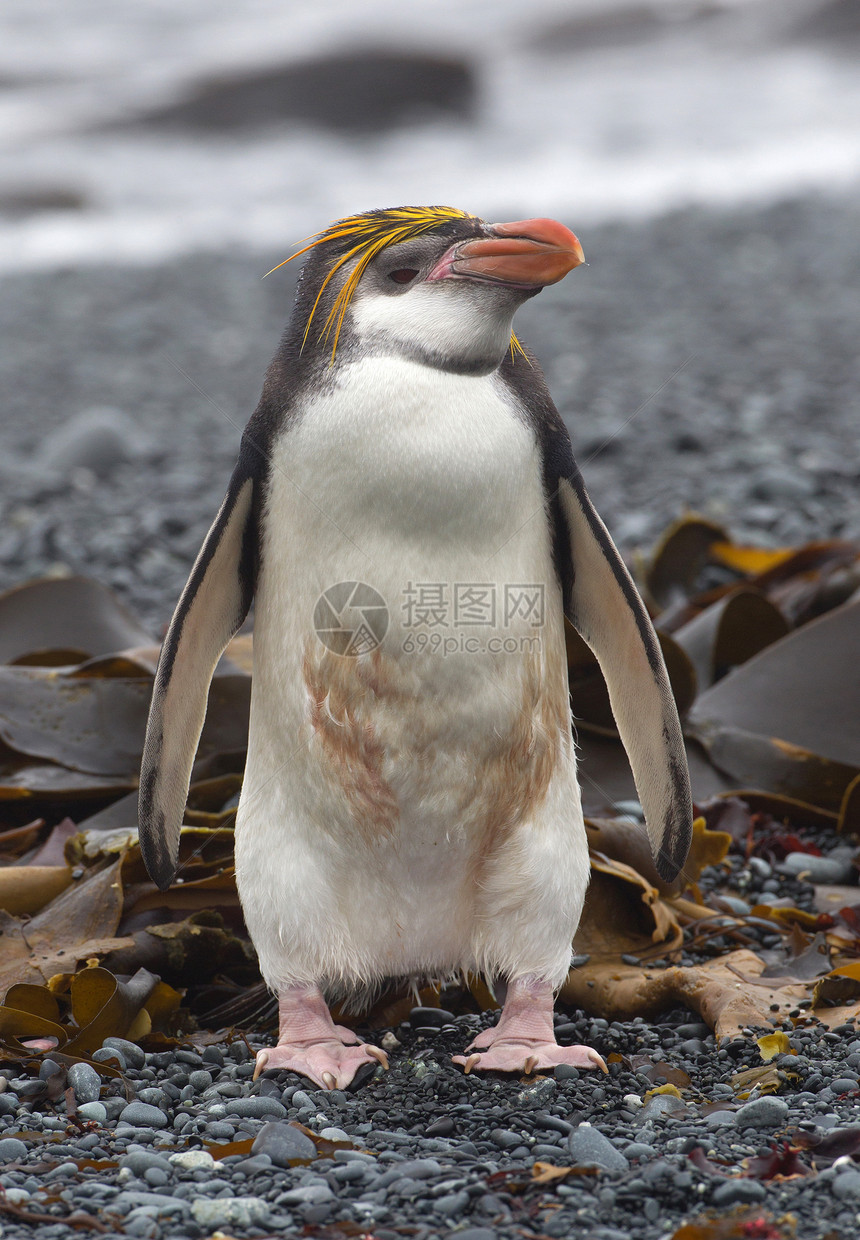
x,y
371,233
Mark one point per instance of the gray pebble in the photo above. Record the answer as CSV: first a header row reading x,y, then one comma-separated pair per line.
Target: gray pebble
x,y
154,1097
301,1100
11,1149
663,1106
255,1108
739,1191
505,1139
85,1081
110,1054
476,1233
768,1112
114,1106
825,870
777,482
94,1112
638,1149
200,1080
588,1147
139,1161
132,1199
310,1194
130,1051
451,1204
719,1119
192,1160
846,1186
283,1143
566,1072
843,1084
9,1103
142,1115
97,439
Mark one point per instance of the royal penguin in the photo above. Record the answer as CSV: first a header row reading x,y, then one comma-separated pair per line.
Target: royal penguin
x,y
408,516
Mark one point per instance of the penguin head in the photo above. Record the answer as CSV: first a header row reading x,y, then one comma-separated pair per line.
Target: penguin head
x,y
429,283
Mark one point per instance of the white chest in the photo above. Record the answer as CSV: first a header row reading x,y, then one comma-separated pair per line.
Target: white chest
x,y
402,453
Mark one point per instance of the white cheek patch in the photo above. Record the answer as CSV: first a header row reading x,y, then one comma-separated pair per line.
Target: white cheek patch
x,y
438,320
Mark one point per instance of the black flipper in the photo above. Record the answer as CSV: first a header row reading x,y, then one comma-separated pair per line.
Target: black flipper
x,y
607,611
213,605
604,605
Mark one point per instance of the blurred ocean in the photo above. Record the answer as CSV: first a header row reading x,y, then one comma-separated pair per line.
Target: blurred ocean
x,y
581,109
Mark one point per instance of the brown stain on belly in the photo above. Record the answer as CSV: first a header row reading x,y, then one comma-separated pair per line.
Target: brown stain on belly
x,y
513,782
336,690
504,776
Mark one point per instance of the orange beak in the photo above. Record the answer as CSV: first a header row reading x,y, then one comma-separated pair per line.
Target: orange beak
x,y
528,253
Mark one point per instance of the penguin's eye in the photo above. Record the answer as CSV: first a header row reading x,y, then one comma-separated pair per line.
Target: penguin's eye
x,y
403,275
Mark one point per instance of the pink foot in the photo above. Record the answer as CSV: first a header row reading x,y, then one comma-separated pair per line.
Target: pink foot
x,y
310,1043
523,1040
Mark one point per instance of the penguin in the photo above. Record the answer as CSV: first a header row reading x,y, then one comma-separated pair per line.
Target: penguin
x,y
408,515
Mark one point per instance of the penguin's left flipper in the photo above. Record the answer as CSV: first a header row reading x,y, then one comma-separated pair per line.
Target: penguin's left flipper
x,y
606,609
212,607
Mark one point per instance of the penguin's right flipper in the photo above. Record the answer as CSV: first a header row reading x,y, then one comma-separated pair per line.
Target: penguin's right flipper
x,y
606,609
213,605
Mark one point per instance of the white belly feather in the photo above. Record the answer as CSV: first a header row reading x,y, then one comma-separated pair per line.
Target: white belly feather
x,y
412,810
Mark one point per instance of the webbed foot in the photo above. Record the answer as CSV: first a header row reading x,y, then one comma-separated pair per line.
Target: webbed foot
x,y
523,1040
311,1044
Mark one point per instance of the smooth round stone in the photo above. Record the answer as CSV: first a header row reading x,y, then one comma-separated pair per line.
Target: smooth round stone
x,y
825,870
9,1103
739,1192
505,1139
154,1096
334,1134
846,1186
843,1085
719,1119
142,1115
451,1204
111,1055
114,1106
220,1131
93,1112
193,1160
283,1143
256,1107
130,1051
430,1018
140,1161
777,482
49,1068
590,1148
566,1072
638,1149
663,1106
308,1194
11,1149
85,1081
200,1080
96,439
768,1112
